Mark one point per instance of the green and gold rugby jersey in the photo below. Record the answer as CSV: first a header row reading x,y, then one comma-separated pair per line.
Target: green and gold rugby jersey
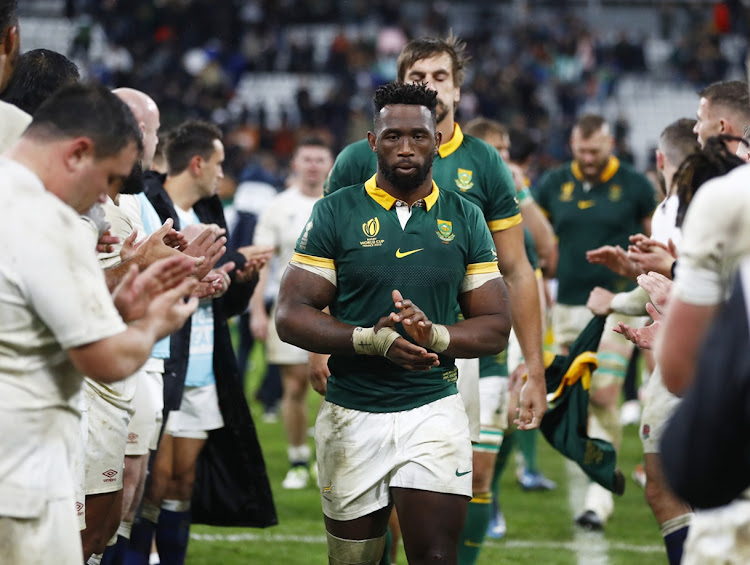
x,y
464,164
606,214
357,232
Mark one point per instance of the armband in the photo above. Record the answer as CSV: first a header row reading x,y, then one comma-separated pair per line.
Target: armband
x,y
524,195
367,342
441,338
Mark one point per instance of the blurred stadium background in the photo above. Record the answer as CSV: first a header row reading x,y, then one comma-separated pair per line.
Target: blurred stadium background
x,y
270,72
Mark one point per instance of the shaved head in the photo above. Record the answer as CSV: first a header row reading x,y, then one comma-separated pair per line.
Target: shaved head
x,y
146,113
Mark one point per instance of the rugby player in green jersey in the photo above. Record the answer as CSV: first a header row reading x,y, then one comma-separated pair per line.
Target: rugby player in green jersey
x,y
594,201
474,169
393,430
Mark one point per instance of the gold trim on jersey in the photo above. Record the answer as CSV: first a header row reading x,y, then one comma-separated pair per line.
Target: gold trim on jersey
x,y
387,201
314,261
504,223
450,146
613,165
482,268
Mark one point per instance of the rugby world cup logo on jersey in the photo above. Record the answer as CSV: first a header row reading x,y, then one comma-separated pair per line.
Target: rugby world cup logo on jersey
x,y
371,228
445,231
303,239
464,182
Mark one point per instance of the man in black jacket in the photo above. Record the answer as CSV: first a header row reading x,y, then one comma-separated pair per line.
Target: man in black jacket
x,y
210,423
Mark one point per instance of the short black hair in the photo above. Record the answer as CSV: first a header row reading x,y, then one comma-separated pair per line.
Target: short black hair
x,y
38,74
191,138
8,15
87,110
405,93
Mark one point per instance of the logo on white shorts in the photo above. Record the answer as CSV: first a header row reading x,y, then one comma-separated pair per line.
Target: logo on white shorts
x,y
132,438
110,474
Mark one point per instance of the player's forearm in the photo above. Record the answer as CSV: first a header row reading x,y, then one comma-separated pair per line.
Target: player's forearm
x,y
542,234
631,303
527,317
117,357
257,300
312,330
479,336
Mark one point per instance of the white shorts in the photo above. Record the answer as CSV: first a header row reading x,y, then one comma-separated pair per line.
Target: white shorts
x,y
658,406
78,464
199,413
105,445
468,389
719,536
53,537
361,455
493,413
279,352
148,402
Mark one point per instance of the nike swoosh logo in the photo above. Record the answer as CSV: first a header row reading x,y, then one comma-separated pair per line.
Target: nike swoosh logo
x,y
400,255
585,204
462,474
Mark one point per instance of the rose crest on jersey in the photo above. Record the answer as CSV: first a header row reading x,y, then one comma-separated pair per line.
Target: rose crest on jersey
x,y
464,182
445,231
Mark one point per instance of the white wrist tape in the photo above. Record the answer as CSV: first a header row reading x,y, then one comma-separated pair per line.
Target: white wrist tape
x,y
441,338
367,342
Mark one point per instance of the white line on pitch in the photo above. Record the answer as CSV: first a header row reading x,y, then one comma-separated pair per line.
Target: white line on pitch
x,y
591,548
513,544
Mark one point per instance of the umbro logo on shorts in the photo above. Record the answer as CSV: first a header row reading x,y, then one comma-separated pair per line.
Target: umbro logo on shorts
x,y
79,508
110,474
132,437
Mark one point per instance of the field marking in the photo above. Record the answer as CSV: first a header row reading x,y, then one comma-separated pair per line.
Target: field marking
x,y
592,548
512,544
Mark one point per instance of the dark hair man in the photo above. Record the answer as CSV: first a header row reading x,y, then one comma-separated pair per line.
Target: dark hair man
x,y
58,320
393,376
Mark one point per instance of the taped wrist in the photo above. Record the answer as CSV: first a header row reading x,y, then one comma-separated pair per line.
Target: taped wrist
x,y
367,342
441,338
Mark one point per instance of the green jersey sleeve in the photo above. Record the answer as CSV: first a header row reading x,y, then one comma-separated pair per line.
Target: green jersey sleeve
x,y
501,211
317,243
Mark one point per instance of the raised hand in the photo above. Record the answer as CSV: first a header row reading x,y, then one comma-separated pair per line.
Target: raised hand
x,y
600,301
658,287
415,322
136,291
404,353
206,245
106,242
615,258
256,256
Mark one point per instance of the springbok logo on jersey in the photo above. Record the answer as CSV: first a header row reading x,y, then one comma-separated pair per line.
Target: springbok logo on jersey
x,y
445,231
463,182
615,192
566,192
371,228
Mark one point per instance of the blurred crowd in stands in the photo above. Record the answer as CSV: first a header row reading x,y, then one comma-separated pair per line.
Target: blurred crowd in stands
x,y
532,73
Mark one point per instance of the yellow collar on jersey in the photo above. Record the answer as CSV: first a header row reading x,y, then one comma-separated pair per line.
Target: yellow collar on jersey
x,y
387,201
448,147
609,171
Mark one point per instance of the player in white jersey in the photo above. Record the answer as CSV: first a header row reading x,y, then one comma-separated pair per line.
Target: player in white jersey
x,y
279,226
58,319
676,142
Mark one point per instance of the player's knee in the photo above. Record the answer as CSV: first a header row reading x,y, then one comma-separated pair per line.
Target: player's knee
x,y
354,552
